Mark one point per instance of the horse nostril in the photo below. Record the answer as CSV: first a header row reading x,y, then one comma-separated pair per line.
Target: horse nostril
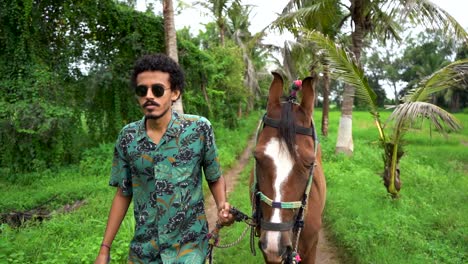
x,y
285,252
262,244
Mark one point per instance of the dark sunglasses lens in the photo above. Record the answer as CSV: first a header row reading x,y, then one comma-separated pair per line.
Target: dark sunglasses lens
x,y
141,90
158,90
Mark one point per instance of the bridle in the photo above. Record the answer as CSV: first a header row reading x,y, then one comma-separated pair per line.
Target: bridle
x,y
295,225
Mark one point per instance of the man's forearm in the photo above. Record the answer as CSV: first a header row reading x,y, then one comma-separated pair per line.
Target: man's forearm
x,y
218,190
117,213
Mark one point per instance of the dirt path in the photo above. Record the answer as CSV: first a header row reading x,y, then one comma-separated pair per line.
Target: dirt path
x,y
326,252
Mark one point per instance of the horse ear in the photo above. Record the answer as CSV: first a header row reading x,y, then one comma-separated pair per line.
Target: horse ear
x,y
308,94
276,91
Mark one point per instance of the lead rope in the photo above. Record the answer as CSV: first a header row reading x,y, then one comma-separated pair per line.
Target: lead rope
x,y
213,236
255,200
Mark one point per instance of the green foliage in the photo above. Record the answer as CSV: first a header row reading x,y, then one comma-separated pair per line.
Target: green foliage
x,y
64,68
37,131
108,100
64,77
229,92
382,67
424,55
215,86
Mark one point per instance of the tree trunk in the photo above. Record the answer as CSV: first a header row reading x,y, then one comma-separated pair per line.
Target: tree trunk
x,y
239,111
171,43
397,102
250,78
221,32
326,100
205,94
455,102
344,142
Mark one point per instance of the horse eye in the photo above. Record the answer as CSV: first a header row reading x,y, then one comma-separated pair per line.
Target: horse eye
x,y
258,155
309,165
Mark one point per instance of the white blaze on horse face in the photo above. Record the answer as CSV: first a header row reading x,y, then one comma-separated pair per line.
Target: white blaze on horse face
x,y
282,160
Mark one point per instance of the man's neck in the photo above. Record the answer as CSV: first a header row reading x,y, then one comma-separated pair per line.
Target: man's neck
x,y
155,128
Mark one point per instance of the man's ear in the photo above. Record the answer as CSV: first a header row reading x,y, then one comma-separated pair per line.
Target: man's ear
x,y
175,95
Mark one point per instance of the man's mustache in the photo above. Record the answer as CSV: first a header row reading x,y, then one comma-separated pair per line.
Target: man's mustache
x,y
149,102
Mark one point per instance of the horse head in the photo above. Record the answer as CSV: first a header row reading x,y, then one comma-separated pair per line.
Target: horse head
x,y
285,155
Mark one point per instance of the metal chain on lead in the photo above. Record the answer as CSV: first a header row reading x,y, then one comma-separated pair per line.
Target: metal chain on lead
x,y
235,242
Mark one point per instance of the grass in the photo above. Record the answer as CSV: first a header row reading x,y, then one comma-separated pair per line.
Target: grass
x,y
427,224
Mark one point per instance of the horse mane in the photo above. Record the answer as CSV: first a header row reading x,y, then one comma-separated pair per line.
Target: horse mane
x,y
287,127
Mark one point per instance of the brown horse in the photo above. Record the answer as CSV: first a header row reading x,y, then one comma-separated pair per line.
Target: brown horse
x,y
288,184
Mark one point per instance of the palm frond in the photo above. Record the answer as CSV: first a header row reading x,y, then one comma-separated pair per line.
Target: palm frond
x,y
344,67
447,77
429,14
387,27
410,112
293,13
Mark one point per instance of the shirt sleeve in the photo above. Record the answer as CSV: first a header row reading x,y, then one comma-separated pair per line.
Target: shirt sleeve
x,y
211,165
120,172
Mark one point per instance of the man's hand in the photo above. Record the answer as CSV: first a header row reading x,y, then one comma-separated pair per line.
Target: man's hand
x,y
102,259
225,218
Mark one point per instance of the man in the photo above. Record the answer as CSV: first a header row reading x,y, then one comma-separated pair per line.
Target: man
x,y
158,163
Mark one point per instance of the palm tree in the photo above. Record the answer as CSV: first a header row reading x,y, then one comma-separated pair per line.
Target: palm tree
x,y
238,29
219,10
414,107
379,18
171,43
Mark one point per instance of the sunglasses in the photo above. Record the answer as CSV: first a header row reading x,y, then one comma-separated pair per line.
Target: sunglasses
x,y
157,89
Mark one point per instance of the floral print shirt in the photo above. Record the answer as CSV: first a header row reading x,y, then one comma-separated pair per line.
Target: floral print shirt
x,y
165,181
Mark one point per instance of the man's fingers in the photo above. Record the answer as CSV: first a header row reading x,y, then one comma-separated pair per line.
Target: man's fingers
x,y
226,209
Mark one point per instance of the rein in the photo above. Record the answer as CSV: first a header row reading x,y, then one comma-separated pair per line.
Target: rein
x,y
213,237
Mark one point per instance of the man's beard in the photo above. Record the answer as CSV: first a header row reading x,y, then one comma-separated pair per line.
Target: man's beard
x,y
151,115
156,117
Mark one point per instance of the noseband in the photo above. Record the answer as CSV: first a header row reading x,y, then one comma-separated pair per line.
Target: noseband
x,y
294,225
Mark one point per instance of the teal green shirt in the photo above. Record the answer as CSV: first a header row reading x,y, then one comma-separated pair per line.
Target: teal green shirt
x,y
165,181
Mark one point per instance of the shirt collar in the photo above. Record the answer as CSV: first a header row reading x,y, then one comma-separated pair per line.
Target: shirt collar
x,y
173,128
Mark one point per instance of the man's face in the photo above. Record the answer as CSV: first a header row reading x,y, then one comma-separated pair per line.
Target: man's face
x,y
154,93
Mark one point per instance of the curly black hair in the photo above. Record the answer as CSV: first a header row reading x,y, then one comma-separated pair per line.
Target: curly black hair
x,y
160,62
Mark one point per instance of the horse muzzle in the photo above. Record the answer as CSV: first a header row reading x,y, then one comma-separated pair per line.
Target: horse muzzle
x,y
276,246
